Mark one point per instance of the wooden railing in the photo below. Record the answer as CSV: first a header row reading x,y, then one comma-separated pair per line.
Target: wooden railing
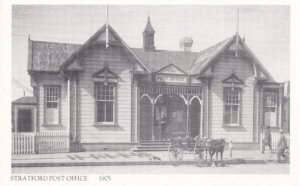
x,y
41,142
23,143
275,136
52,142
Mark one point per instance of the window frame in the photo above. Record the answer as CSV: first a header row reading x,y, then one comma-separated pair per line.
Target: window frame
x,y
58,105
239,121
271,90
103,123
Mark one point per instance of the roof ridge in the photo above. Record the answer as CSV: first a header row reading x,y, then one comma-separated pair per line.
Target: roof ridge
x,y
164,50
54,42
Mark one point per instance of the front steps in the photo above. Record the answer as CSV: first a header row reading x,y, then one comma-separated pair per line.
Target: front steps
x,y
164,145
152,146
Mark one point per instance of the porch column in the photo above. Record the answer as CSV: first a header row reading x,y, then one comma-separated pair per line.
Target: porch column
x,y
187,102
153,119
187,118
201,133
69,104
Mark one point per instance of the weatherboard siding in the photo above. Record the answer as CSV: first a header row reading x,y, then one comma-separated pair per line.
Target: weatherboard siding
x,y
90,132
243,70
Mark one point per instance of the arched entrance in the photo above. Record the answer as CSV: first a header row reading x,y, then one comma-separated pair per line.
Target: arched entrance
x,y
145,118
169,111
170,117
195,116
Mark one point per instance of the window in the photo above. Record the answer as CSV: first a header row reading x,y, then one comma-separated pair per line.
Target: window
x,y
105,95
52,104
232,99
270,108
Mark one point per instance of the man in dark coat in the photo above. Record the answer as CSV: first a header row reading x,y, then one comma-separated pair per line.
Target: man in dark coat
x,y
281,146
267,139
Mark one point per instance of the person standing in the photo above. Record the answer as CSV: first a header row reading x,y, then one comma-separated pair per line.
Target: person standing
x,y
281,146
267,139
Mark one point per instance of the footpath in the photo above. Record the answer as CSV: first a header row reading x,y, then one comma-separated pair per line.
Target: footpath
x,y
117,158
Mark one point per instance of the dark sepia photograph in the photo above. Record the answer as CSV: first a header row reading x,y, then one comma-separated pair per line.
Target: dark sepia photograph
x,y
150,89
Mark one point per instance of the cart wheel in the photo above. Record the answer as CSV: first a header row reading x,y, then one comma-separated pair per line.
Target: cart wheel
x,y
269,156
175,154
200,154
287,156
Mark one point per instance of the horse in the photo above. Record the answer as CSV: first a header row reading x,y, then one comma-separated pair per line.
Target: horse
x,y
216,146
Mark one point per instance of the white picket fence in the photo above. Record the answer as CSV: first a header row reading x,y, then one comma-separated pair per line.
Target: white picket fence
x,y
275,136
41,142
23,143
52,142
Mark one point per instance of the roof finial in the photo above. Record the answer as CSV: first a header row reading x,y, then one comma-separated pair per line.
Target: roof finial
x,y
107,34
148,14
237,34
237,21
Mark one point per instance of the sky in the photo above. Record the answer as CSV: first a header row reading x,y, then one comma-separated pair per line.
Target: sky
x,y
265,28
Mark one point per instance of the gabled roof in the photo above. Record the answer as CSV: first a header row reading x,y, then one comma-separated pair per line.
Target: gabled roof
x,y
94,37
207,55
171,69
26,100
52,56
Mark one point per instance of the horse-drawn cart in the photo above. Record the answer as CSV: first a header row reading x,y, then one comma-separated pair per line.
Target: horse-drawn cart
x,y
202,150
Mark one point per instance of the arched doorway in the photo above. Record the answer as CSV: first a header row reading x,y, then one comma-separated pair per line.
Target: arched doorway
x,y
145,118
177,117
195,109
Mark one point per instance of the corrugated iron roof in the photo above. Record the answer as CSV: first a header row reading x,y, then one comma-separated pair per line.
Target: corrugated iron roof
x,y
206,55
48,56
25,100
158,59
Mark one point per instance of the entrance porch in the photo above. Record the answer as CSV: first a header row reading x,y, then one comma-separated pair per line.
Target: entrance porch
x,y
166,112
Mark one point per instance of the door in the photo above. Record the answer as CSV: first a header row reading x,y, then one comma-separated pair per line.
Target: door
x,y
195,118
24,121
145,119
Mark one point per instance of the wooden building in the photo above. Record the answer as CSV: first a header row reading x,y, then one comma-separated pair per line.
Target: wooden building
x,y
107,95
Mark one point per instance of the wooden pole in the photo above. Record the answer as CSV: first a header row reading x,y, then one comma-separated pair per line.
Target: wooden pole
x,y
153,119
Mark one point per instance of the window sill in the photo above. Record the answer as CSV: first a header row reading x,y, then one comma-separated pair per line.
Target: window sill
x,y
232,125
105,124
52,124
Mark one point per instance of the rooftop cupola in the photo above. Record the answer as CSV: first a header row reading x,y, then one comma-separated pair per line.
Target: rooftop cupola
x,y
186,44
148,36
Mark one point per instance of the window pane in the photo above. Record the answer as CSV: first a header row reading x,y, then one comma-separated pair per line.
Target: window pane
x,y
100,111
109,111
231,104
52,105
270,117
52,115
105,103
227,114
235,114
